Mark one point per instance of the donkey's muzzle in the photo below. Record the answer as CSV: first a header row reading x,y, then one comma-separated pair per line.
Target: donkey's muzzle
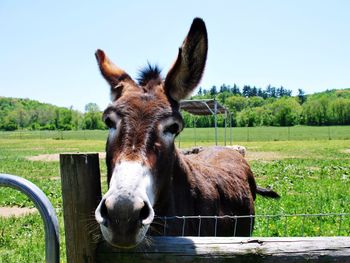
x,y
117,210
124,221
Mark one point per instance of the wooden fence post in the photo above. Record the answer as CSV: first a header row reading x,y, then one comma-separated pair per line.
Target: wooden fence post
x,y
81,193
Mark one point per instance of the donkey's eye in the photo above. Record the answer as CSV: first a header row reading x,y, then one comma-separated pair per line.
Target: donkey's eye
x,y
173,128
110,123
111,119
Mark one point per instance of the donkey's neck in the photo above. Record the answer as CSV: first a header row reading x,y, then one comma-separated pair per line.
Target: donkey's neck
x,y
176,198
180,199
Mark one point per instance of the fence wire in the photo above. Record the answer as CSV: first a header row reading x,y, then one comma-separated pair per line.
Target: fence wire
x,y
322,224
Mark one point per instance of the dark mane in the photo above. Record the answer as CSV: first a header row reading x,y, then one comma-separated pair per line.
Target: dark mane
x,y
148,73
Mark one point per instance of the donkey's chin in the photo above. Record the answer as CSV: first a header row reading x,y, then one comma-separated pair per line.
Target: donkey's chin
x,y
124,241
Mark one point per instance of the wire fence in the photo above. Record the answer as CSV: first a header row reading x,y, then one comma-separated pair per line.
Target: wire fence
x,y
298,225
198,136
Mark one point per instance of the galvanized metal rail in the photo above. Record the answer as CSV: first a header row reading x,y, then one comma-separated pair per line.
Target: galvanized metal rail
x,y
47,212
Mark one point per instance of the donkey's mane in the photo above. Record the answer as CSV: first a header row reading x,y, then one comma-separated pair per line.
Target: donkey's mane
x,y
149,73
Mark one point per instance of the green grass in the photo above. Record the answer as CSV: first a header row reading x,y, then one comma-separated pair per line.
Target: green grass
x,y
206,135
22,239
246,134
312,176
307,187
56,135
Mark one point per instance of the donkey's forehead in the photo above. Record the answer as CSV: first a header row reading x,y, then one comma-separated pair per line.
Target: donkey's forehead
x,y
151,102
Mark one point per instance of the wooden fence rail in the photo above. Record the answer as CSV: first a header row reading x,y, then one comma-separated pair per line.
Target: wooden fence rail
x,y
81,191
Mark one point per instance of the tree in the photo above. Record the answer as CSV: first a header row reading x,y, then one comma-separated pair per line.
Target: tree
x,y
21,116
286,112
301,96
246,117
282,92
235,90
223,88
253,92
340,111
92,107
246,91
221,97
271,91
236,103
262,93
213,91
9,123
93,117
255,102
316,111
66,119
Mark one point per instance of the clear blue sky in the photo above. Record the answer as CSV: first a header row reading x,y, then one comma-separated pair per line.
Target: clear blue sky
x,y
47,47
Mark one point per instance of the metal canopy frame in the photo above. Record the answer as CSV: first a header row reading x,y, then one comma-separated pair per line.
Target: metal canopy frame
x,y
208,107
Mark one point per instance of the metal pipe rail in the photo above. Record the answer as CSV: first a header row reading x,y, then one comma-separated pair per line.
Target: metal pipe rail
x,y
47,212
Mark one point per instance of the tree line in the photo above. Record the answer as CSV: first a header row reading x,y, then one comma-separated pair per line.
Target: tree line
x,y
249,105
247,91
272,106
33,115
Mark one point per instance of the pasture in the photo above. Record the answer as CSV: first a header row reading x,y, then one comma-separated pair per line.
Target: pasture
x,y
200,136
312,176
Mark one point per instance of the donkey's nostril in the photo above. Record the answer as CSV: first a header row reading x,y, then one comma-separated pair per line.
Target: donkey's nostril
x,y
104,213
146,214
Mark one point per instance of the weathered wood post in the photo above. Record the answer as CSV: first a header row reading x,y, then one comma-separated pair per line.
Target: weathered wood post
x,y
81,193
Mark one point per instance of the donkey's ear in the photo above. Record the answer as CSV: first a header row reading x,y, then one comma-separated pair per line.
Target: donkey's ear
x,y
115,76
188,68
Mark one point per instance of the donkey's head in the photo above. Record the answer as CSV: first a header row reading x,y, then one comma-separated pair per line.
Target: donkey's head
x,y
143,122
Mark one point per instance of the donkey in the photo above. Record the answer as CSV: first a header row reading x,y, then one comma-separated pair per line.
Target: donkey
x,y
147,175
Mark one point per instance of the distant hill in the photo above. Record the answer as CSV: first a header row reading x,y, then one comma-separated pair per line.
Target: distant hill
x,y
18,113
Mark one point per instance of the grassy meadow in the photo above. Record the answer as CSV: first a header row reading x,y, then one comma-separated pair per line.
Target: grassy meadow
x,y
192,136
308,166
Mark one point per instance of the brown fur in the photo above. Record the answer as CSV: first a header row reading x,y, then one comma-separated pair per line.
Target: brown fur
x,y
217,181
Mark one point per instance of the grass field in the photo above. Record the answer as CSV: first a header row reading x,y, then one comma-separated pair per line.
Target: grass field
x,y
207,135
312,176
